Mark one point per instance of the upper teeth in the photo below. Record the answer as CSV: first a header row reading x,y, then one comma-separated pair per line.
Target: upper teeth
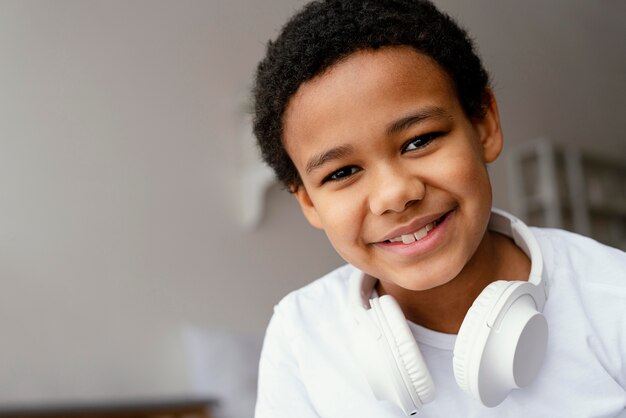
x,y
415,236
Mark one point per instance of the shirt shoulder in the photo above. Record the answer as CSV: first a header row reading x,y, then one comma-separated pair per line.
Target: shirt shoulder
x,y
588,262
585,306
323,300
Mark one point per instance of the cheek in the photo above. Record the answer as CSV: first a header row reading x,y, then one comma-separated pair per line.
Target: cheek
x,y
342,221
463,173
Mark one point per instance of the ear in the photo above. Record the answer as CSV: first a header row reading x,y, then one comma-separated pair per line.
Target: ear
x,y
489,130
307,206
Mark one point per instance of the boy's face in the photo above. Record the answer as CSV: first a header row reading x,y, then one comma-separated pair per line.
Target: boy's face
x,y
392,169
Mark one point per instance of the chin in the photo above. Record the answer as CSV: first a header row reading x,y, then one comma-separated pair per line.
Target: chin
x,y
420,287
426,281
410,284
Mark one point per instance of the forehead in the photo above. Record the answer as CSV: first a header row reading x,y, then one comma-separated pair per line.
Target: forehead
x,y
360,95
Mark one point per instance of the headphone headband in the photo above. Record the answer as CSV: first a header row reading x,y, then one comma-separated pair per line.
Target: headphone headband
x,y
362,285
517,230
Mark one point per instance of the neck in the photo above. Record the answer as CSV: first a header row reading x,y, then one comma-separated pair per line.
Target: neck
x,y
443,308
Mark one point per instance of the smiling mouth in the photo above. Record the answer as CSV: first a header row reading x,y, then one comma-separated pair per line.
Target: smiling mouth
x,y
419,234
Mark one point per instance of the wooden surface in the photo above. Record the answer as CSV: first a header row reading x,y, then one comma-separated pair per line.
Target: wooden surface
x,y
177,408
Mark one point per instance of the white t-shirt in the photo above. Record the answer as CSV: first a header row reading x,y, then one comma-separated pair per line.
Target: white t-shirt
x,y
308,367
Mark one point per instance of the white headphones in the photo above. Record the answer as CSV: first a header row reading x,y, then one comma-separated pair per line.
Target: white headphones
x,y
500,345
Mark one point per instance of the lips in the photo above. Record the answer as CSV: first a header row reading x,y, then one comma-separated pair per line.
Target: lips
x,y
416,231
414,236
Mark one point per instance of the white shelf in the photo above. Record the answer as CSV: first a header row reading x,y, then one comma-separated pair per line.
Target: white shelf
x,y
566,188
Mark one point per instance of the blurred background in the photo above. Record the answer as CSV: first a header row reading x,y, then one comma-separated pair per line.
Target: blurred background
x,y
142,246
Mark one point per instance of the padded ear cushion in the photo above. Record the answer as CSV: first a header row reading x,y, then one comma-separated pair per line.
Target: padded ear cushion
x,y
408,353
474,319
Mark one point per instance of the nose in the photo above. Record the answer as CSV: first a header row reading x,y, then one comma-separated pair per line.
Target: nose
x,y
394,189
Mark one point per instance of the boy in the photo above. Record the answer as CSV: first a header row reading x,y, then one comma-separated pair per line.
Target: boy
x,y
378,117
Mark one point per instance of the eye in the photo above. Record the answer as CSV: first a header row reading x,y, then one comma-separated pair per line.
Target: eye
x,y
341,174
420,141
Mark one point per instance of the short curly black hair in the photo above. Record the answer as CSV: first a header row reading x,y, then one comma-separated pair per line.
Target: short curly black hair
x,y
327,31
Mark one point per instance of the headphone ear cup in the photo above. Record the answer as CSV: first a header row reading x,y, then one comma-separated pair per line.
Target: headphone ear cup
x,y
470,332
502,341
409,360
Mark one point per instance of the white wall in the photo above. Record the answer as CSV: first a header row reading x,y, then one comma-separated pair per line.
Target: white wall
x,y
120,156
559,69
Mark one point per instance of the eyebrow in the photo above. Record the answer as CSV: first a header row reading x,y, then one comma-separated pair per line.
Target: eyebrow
x,y
431,112
327,156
